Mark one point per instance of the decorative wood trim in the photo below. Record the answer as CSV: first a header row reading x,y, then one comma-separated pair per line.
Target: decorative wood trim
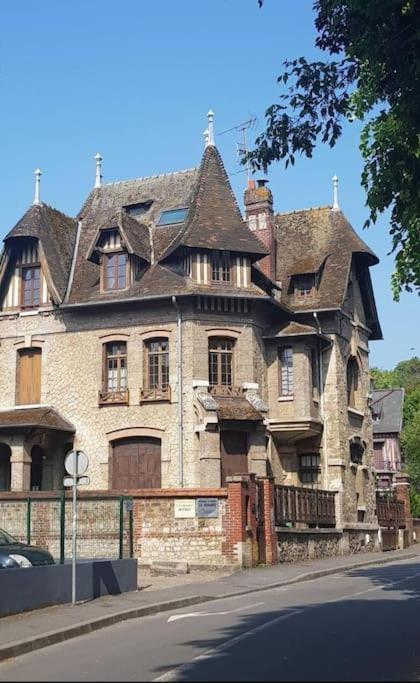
x,y
106,398
117,434
150,395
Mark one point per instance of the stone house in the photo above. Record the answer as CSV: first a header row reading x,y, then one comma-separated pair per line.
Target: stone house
x,y
178,342
387,413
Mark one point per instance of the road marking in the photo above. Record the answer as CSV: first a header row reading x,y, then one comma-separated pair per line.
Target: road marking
x,y
173,674
176,617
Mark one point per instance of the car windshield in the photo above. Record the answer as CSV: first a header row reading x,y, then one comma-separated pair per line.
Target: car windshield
x,y
6,539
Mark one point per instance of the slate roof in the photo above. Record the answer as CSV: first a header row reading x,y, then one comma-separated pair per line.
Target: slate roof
x,y
214,220
318,241
103,208
236,408
387,406
56,234
44,417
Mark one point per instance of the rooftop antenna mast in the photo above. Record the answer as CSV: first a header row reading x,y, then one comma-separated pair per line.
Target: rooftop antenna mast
x,y
242,147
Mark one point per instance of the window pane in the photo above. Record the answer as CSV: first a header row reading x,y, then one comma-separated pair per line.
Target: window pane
x,y
172,216
286,371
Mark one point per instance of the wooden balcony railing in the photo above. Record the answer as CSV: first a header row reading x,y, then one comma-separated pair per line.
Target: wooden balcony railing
x,y
155,394
390,513
113,397
314,507
224,390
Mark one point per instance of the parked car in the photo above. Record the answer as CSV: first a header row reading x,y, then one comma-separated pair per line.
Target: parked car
x,y
14,554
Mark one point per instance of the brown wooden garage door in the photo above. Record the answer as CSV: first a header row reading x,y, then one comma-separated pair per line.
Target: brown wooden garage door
x,y
136,463
233,454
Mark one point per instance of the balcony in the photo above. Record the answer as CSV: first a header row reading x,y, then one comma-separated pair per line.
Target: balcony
x,y
107,398
156,394
225,390
311,507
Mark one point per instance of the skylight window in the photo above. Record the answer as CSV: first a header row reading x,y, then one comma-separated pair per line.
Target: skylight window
x,y
172,216
138,209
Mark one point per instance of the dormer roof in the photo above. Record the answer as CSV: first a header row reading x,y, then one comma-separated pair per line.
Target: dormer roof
x,y
56,236
214,220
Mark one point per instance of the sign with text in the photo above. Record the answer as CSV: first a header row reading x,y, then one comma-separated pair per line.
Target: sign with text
x,y
184,508
207,507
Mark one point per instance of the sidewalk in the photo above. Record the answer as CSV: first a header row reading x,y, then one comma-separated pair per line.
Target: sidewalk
x,y
33,630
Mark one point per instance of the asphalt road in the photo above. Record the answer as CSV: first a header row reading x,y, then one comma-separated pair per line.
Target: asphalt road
x,y
361,625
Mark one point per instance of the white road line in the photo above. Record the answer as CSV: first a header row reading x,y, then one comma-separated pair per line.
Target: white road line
x,y
174,673
176,617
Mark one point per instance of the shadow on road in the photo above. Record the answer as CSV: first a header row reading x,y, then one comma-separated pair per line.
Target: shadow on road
x,y
371,637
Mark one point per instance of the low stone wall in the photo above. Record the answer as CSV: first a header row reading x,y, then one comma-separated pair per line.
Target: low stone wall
x,y
298,545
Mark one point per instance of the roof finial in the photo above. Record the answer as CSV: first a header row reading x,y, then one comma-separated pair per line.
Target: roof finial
x,y
206,137
335,206
210,139
98,176
37,200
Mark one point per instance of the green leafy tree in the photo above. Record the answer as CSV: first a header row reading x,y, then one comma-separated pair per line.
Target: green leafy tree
x,y
372,74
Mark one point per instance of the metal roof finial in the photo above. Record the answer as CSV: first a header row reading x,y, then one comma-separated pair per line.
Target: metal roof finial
x,y
98,176
210,139
206,137
335,206
37,200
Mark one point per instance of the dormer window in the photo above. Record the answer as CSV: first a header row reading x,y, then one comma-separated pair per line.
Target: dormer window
x,y
303,286
221,267
31,286
115,271
172,216
138,209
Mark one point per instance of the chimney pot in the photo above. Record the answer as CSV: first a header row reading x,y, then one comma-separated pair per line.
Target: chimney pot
x,y
262,182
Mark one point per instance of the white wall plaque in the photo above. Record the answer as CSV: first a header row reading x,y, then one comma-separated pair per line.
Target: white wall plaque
x,y
184,508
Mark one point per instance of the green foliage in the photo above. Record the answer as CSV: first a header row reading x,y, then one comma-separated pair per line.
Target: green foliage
x,y
373,75
415,502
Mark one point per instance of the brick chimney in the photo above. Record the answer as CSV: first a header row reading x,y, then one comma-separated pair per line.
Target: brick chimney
x,y
258,202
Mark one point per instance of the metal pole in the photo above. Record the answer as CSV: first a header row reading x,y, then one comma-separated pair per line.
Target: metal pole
x,y
74,534
28,522
62,526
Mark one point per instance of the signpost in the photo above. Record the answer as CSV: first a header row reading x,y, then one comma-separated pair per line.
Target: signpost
x,y
76,464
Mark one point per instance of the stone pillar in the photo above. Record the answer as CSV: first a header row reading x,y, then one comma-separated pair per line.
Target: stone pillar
x,y
270,535
257,451
20,462
240,524
210,472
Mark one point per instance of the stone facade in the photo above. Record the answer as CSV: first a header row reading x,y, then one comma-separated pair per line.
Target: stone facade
x,y
178,291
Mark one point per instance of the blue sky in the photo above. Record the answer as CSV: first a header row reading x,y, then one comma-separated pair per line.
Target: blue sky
x,y
134,80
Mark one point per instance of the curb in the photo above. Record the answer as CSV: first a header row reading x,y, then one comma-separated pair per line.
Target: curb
x,y
20,647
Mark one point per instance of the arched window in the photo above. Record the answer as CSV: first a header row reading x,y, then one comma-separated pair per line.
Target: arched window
x,y
114,373
352,381
5,467
156,370
221,351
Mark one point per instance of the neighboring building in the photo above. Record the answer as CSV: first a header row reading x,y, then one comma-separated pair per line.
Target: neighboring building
x,y
387,411
177,343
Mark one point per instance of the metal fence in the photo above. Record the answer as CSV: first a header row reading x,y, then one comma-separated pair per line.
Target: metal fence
x,y
391,513
314,507
105,524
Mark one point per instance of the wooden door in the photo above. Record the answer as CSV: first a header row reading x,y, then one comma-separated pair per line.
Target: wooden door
x,y
28,377
136,463
233,454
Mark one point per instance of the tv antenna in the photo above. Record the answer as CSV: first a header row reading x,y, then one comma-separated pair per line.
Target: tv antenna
x,y
242,147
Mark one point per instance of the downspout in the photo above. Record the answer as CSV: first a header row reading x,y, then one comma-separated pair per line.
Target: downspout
x,y
321,396
180,400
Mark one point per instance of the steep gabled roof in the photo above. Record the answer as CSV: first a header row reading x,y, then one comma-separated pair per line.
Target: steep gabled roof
x,y
134,234
387,410
214,220
319,241
106,208
56,235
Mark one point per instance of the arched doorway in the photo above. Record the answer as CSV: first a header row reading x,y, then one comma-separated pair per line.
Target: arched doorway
x,y
37,467
136,463
5,467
